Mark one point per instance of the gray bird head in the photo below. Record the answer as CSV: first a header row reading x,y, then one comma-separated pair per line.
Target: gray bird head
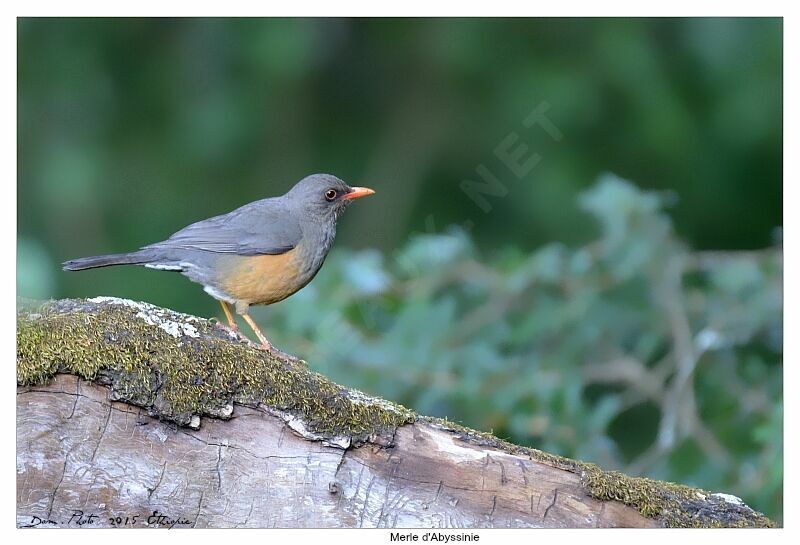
x,y
323,197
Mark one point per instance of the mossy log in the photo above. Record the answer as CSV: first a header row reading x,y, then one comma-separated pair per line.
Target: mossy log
x,y
130,415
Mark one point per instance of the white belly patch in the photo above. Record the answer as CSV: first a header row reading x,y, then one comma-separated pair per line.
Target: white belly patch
x,y
163,267
218,295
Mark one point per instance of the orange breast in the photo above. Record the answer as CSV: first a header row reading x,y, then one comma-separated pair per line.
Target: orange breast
x,y
264,279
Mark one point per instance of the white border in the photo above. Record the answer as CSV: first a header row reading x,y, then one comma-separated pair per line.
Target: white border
x,y
407,8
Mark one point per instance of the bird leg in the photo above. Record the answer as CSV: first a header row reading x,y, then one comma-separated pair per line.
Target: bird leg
x,y
241,310
229,315
265,344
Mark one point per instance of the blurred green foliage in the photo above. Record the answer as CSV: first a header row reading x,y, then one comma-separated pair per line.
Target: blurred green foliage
x,y
656,348
631,351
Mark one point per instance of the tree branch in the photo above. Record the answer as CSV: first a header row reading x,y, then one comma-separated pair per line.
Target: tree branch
x,y
130,415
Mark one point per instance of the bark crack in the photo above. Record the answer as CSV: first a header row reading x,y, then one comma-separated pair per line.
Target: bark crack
x,y
341,463
77,397
248,451
55,490
150,491
366,501
395,467
199,507
491,513
250,512
103,432
521,464
552,503
219,474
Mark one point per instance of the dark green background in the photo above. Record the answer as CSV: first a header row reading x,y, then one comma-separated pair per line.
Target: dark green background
x,y
129,129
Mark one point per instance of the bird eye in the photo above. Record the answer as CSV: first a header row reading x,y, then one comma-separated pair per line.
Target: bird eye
x,y
330,194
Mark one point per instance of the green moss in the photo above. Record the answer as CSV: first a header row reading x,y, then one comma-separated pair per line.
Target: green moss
x,y
678,506
674,505
176,378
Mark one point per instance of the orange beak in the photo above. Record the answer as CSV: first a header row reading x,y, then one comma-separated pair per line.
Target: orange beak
x,y
358,192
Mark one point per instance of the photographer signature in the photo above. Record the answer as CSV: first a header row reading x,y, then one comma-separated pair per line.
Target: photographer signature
x,y
83,519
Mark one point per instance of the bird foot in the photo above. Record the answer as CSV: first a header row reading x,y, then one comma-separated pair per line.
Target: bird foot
x,y
231,331
264,345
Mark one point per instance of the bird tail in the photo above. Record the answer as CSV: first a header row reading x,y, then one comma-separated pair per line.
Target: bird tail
x,y
133,258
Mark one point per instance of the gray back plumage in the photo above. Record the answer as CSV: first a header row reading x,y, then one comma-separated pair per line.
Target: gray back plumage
x,y
257,228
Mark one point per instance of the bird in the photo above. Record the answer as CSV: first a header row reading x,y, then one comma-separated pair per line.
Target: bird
x,y
258,254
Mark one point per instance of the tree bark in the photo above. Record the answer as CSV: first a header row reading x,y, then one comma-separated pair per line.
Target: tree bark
x,y
94,450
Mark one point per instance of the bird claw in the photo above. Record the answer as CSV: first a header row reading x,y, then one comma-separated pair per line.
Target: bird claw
x,y
234,332
231,331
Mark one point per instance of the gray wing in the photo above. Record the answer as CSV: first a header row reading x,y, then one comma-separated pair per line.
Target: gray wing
x,y
261,227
